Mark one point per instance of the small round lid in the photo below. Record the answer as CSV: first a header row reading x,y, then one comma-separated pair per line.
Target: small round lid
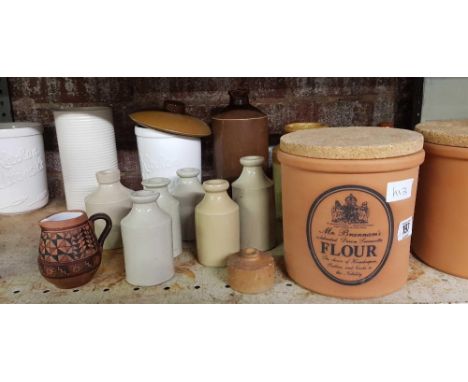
x,y
188,172
20,129
108,176
144,196
352,143
449,133
296,126
215,185
157,182
252,160
173,123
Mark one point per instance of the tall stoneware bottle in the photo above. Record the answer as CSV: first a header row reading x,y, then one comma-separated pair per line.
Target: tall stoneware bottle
x,y
113,199
169,205
147,240
188,191
217,225
239,130
254,193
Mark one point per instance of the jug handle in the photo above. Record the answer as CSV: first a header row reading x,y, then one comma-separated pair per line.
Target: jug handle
x,y
106,229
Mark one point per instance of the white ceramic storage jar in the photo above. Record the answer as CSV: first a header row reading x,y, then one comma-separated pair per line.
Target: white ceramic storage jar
x,y
162,154
23,181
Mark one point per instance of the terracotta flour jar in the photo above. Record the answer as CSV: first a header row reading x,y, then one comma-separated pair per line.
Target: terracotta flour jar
x,y
440,236
239,130
348,202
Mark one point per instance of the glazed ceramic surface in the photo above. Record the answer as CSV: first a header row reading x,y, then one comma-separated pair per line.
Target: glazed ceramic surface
x,y
253,191
347,222
86,142
147,240
23,181
69,252
217,225
189,192
112,198
161,154
170,205
239,130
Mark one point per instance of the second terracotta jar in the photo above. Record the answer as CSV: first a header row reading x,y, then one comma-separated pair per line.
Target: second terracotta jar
x,y
254,194
239,130
217,225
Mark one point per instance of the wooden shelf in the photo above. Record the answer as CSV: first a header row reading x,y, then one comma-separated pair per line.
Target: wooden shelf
x,y
21,282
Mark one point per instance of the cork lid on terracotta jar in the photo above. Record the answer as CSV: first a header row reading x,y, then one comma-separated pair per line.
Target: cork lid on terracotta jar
x,y
172,120
357,142
448,133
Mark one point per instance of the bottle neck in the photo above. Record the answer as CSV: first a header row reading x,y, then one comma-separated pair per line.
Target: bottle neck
x,y
252,171
163,191
215,196
108,186
145,208
192,180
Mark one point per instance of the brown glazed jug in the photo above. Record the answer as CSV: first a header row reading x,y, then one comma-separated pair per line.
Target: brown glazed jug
x,y
239,130
348,204
69,252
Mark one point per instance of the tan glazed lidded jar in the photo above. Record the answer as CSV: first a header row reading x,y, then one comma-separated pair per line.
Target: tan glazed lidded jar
x,y
440,236
348,203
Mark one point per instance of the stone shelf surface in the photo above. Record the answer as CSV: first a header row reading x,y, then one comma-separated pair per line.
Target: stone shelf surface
x,y
21,282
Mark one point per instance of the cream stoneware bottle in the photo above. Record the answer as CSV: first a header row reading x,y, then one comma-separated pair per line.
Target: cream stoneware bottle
x,y
113,199
217,225
189,192
170,205
147,240
253,191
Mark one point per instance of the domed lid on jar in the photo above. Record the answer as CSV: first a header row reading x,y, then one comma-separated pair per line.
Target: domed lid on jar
x,y
144,196
448,133
296,126
108,176
173,120
215,185
352,143
156,182
188,172
19,129
239,107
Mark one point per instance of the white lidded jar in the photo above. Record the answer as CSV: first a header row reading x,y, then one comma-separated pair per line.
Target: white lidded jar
x,y
23,180
170,205
147,241
189,192
86,142
113,199
253,191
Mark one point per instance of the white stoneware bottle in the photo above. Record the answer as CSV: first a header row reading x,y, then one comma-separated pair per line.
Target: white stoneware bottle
x,y
253,191
189,192
170,205
217,225
113,199
147,241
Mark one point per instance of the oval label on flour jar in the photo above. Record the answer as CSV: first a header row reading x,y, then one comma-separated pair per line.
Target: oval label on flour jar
x,y
350,233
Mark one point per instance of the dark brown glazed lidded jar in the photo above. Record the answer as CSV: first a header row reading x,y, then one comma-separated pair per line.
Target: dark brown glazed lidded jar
x,y
239,130
69,252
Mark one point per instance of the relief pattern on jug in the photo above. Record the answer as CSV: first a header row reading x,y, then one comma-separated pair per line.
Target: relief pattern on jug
x,y
350,233
152,163
19,166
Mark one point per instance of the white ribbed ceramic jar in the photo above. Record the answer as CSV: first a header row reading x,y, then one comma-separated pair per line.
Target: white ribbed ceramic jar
x,y
23,180
162,154
86,142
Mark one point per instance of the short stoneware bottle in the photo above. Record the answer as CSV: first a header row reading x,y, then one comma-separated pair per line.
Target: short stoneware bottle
x,y
189,192
113,199
147,240
170,205
217,225
253,191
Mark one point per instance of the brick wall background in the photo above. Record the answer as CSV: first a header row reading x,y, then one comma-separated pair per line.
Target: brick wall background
x,y
333,101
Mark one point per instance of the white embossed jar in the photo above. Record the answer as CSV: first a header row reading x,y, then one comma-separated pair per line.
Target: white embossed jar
x,y
23,180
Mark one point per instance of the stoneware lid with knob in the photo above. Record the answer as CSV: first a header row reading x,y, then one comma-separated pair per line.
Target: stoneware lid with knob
x,y
251,271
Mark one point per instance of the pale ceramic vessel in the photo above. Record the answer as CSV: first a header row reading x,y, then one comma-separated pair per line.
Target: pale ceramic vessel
x,y
189,192
253,191
23,181
113,199
217,225
161,153
147,240
170,205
